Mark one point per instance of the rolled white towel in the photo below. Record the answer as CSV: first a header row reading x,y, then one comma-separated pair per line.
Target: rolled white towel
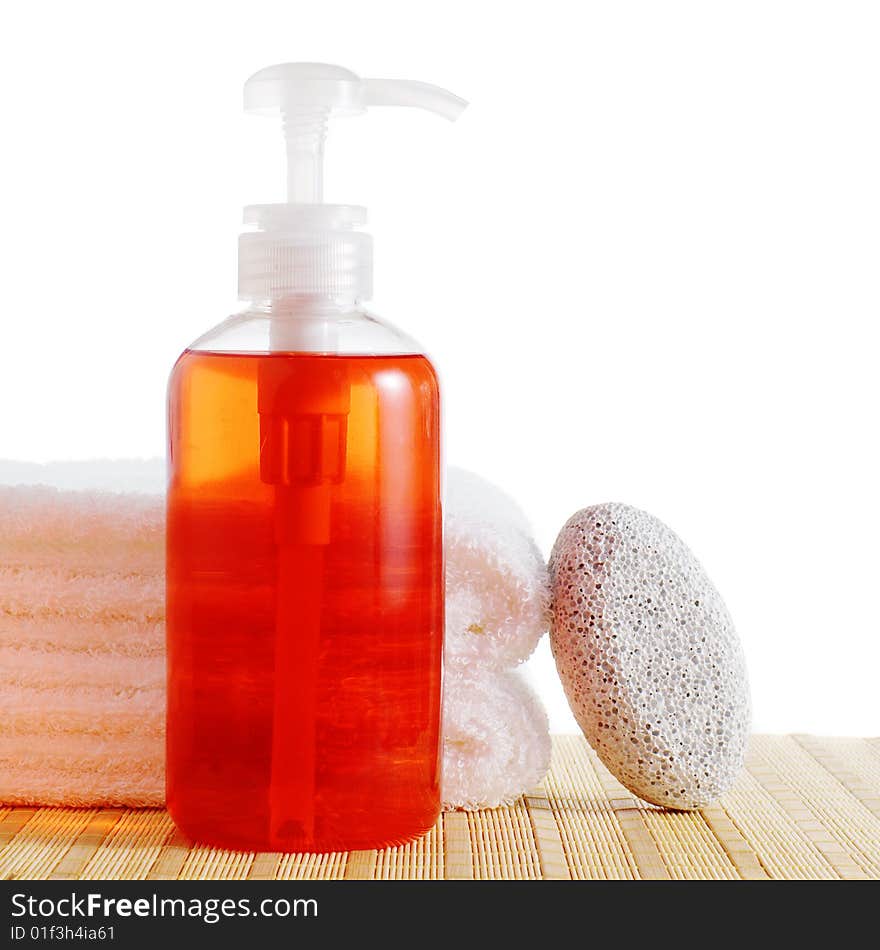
x,y
496,741
497,587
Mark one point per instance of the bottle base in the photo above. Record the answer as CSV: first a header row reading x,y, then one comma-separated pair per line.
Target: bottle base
x,y
293,840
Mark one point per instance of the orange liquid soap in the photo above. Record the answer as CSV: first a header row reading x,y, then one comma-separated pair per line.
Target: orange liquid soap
x,y
304,600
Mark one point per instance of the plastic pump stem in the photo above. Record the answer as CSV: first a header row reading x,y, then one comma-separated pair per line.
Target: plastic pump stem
x,y
302,452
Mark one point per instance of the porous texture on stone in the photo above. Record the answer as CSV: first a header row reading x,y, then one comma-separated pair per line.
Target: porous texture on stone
x,y
648,655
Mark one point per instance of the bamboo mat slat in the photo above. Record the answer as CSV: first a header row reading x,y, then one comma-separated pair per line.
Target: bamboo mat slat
x,y
804,807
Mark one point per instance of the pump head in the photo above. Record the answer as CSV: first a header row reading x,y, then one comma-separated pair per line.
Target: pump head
x,y
305,246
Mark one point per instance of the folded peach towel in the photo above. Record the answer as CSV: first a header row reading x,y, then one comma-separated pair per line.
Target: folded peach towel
x,y
82,640
82,651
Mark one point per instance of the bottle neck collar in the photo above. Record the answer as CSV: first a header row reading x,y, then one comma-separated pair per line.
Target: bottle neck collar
x,y
304,305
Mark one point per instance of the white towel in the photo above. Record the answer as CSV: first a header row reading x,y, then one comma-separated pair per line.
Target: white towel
x,y
497,589
496,742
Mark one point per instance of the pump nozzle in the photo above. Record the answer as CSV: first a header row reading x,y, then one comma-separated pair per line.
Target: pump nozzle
x,y
307,94
419,95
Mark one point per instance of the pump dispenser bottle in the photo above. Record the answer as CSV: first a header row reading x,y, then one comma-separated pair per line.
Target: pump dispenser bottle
x,y
305,562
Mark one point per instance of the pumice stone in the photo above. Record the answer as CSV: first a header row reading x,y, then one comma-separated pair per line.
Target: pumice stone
x,y
649,658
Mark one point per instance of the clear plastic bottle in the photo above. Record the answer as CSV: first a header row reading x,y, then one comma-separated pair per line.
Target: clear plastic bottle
x,y
305,562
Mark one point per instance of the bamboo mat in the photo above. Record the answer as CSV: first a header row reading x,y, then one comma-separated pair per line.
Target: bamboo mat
x,y
805,807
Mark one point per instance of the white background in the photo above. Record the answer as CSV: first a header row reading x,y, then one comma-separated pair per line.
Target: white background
x,y
645,261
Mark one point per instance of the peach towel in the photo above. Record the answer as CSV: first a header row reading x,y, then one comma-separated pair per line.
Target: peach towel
x,y
82,641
